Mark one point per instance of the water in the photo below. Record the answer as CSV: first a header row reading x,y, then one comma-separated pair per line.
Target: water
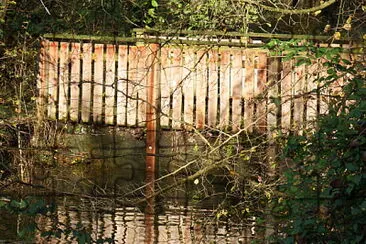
x,y
97,190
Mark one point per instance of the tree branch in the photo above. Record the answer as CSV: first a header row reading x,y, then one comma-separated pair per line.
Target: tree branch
x,y
292,11
48,12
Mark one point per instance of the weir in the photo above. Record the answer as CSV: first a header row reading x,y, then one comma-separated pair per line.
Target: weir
x,y
179,84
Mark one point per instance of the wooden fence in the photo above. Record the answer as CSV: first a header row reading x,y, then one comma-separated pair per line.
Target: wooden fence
x,y
181,86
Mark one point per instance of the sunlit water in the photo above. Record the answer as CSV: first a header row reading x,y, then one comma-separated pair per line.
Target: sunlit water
x,y
90,203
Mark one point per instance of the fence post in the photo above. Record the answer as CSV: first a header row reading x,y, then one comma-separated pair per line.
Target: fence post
x,y
273,109
152,105
42,90
42,81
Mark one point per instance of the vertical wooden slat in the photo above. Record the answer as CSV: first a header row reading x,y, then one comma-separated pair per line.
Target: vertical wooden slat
x,y
122,85
75,81
236,88
136,94
165,87
299,98
132,86
273,104
201,86
144,66
224,88
188,87
261,85
311,104
336,89
286,95
98,57
63,81
176,79
86,78
323,97
42,80
249,90
273,96
53,80
212,87
110,84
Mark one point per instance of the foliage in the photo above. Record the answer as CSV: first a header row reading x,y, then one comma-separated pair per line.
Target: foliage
x,y
209,15
112,17
323,197
247,15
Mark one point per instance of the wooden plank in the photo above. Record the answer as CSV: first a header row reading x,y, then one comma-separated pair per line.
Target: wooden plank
x,y
98,57
122,84
143,66
286,95
42,80
298,120
311,103
53,80
136,95
237,79
273,107
75,81
165,88
273,103
336,90
188,87
248,91
259,92
194,33
110,84
225,69
213,76
176,79
63,81
86,86
323,97
131,112
201,86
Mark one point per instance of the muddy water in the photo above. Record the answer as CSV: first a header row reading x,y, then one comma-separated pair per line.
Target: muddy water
x,y
94,188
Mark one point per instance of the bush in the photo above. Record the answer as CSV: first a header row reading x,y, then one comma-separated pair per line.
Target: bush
x,y
323,197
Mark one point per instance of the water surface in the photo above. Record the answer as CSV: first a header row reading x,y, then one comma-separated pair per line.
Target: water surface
x,y
96,188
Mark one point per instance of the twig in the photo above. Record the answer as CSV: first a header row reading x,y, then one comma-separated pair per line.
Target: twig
x,y
45,7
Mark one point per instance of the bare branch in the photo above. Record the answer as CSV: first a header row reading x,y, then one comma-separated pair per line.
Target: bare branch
x,y
48,12
292,11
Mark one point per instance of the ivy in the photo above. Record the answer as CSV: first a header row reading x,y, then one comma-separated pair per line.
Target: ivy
x,y
324,189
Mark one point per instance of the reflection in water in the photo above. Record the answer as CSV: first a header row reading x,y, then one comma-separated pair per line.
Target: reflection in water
x,y
177,224
150,200
93,202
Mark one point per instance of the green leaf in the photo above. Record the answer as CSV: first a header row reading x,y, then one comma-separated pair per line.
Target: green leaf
x,y
346,61
302,61
331,72
356,179
21,205
28,230
2,204
38,207
351,167
151,12
276,100
46,233
154,3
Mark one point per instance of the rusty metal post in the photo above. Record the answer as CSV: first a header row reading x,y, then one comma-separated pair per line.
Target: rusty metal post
x,y
152,125
152,116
